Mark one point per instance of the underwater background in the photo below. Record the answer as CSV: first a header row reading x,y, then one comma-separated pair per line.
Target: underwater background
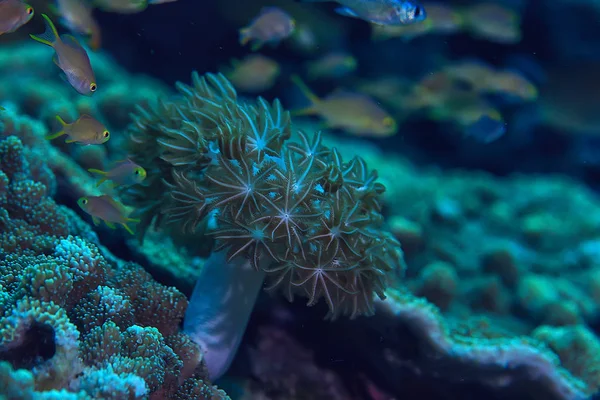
x,y
347,200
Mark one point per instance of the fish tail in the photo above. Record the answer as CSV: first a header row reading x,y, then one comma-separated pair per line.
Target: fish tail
x,y
244,36
101,181
50,35
97,171
61,121
54,135
314,99
127,228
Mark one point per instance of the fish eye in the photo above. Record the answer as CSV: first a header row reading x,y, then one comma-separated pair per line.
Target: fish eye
x,y
84,201
93,87
137,172
418,12
106,134
29,10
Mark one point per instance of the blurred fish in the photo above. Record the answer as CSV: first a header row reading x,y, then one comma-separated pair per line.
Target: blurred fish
x,y
486,129
381,12
512,83
475,74
13,15
353,112
105,208
332,65
271,26
124,173
484,78
70,57
126,6
76,15
86,130
441,19
255,73
493,22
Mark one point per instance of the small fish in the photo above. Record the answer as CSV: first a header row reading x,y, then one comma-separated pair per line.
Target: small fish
x,y
13,15
493,22
441,19
332,65
70,57
127,6
105,208
124,173
381,12
486,129
271,26
512,83
254,74
353,112
76,15
86,130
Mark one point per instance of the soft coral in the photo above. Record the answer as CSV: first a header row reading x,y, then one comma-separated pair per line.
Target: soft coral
x,y
308,220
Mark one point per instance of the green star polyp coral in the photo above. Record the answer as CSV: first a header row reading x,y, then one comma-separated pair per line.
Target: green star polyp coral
x,y
308,219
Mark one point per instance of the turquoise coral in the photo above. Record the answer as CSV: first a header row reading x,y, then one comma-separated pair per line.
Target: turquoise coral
x,y
75,325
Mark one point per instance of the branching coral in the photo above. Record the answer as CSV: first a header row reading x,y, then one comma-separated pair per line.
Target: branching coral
x,y
72,325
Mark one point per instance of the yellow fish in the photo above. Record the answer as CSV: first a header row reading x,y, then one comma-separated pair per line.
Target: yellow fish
x,y
353,112
70,57
13,15
105,208
86,130
124,173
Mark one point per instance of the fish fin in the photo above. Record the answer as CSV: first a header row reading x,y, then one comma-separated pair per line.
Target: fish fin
x,y
110,225
127,228
101,181
136,220
97,171
54,135
314,99
55,60
244,36
70,141
347,12
61,121
50,35
96,220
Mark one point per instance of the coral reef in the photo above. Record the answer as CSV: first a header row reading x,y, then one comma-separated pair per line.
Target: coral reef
x,y
505,269
73,324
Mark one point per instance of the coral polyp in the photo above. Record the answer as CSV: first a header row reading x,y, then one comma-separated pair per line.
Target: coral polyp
x,y
311,221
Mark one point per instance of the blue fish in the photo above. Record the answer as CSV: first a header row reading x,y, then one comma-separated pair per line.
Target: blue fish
x,y
486,129
381,12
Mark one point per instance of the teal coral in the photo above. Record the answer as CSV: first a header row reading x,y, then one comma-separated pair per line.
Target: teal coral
x,y
308,219
70,327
